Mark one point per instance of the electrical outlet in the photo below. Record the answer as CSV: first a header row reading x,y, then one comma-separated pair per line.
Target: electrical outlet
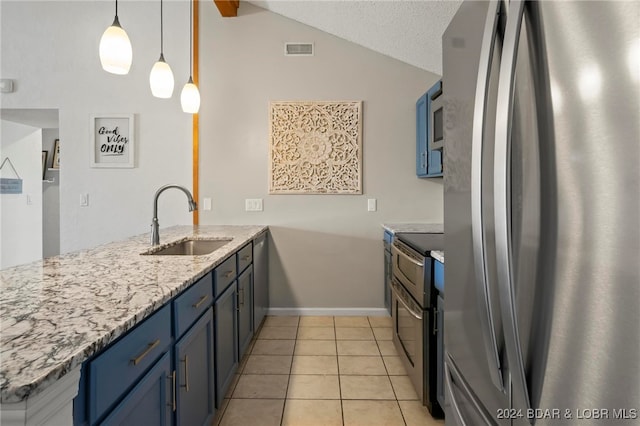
x,y
206,204
253,205
84,200
372,205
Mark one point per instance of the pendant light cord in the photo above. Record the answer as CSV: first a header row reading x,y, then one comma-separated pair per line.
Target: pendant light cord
x,y
190,39
161,32
116,8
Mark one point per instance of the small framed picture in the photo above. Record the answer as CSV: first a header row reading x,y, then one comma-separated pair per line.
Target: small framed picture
x,y
55,164
44,163
112,139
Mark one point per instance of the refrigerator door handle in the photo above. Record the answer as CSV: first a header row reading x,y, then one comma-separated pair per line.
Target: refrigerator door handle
x,y
477,225
502,202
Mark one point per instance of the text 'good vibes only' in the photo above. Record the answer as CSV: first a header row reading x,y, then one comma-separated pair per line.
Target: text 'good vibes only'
x,y
115,143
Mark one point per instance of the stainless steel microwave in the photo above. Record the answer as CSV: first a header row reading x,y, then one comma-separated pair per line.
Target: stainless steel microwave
x,y
436,120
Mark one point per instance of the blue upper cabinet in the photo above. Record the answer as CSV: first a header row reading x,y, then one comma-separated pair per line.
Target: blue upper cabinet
x,y
429,133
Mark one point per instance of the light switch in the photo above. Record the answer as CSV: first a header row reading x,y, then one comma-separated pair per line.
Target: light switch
x,y
6,85
206,204
84,200
253,204
372,205
29,200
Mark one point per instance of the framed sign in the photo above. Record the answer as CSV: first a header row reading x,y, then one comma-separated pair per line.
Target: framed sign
x,y
112,140
44,163
55,163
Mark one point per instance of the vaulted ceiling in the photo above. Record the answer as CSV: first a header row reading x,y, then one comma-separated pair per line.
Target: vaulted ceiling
x,y
410,31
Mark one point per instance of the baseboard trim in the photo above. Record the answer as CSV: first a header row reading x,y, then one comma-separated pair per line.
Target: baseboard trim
x,y
372,312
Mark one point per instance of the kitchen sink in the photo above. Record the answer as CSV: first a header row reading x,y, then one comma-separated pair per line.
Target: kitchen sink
x,y
189,247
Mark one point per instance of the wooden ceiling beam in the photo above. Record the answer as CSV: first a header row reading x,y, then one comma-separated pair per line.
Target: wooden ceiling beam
x,y
228,8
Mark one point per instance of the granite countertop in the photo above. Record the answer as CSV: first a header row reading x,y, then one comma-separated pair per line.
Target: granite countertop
x,y
424,228
56,313
438,255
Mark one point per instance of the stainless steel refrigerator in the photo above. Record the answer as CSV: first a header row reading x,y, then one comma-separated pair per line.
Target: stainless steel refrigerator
x,y
542,213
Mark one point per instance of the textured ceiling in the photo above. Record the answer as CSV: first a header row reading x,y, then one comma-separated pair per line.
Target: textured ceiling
x,y
410,31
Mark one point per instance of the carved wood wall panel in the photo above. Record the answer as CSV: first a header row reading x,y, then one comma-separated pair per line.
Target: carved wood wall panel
x,y
315,148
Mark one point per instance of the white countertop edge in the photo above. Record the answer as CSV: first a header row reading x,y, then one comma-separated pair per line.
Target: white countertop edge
x,y
416,228
438,255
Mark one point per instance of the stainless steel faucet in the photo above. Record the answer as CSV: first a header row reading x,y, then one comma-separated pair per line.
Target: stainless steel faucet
x,y
155,230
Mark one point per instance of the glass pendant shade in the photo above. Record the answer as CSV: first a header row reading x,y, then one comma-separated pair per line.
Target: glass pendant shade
x,y
190,97
161,79
115,50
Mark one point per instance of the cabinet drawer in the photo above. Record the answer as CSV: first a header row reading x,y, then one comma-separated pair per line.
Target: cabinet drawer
x,y
120,366
224,274
245,257
191,303
438,276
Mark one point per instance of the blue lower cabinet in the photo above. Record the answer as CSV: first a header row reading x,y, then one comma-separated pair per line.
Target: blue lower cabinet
x,y
226,341
387,280
440,350
245,304
120,367
438,276
195,390
260,279
150,402
176,366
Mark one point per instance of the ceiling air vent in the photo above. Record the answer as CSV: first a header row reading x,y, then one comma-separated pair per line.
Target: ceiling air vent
x,y
298,49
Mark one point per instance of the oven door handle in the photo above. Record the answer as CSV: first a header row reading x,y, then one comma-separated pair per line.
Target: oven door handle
x,y
401,299
406,256
396,253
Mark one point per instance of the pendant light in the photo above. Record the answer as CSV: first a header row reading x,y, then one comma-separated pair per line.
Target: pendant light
x,y
161,77
190,96
115,48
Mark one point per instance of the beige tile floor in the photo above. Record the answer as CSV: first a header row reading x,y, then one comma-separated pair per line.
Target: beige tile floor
x,y
323,371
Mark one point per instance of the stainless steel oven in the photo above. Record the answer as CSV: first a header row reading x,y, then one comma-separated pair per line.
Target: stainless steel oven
x,y
413,319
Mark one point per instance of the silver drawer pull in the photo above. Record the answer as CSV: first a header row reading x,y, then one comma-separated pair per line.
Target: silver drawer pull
x,y
245,258
228,274
186,373
435,321
173,378
150,347
200,302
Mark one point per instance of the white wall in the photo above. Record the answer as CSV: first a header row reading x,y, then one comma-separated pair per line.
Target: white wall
x,y
21,217
50,50
326,250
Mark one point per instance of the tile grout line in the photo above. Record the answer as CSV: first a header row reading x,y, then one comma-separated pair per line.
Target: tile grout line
x,y
286,391
339,381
